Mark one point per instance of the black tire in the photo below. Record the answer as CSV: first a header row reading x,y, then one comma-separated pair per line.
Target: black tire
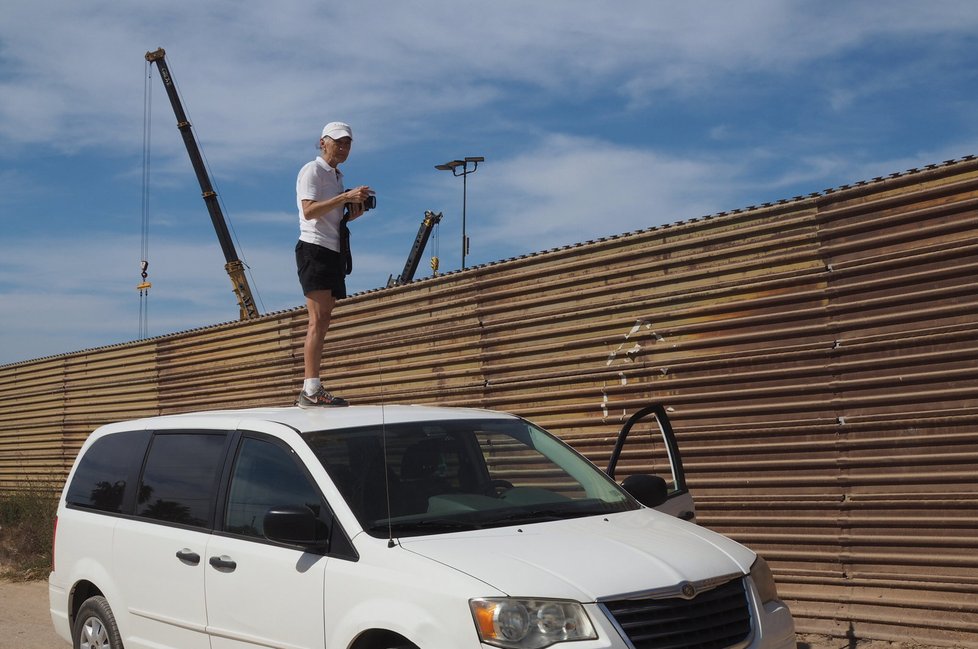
x,y
95,626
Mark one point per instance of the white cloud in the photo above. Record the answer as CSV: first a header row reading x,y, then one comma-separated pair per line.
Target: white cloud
x,y
261,78
573,189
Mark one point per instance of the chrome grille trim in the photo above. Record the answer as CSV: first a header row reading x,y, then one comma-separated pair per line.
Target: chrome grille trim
x,y
715,618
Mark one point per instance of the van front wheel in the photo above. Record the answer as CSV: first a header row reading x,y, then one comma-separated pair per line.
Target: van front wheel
x,y
95,626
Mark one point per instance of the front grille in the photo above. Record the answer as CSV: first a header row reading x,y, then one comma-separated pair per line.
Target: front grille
x,y
713,619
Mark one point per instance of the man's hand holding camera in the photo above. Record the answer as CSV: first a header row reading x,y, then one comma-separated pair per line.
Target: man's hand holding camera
x,y
357,201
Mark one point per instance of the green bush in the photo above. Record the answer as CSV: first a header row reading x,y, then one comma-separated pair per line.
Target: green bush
x,y
26,532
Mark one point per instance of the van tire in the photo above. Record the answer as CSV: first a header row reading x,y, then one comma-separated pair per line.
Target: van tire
x,y
95,626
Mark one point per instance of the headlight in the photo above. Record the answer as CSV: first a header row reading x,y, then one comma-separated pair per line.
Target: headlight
x,y
530,623
764,580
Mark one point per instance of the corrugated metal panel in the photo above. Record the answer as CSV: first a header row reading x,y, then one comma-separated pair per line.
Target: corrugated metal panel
x,y
818,355
904,304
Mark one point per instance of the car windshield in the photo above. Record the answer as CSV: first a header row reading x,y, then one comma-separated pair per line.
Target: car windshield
x,y
434,477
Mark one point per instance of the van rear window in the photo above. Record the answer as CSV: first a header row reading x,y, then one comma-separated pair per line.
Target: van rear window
x,y
107,472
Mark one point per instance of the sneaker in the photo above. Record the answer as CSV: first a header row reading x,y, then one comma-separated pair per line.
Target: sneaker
x,y
319,399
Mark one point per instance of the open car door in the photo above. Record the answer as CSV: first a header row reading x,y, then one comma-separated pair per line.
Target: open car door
x,y
646,455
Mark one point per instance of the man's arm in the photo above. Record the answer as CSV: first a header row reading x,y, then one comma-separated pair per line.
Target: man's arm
x,y
317,209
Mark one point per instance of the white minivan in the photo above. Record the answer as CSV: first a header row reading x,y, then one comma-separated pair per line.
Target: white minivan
x,y
389,527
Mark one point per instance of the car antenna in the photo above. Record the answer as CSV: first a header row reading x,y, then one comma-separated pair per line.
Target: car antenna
x,y
383,438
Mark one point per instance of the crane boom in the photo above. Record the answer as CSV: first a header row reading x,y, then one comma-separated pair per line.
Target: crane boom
x,y
234,266
414,257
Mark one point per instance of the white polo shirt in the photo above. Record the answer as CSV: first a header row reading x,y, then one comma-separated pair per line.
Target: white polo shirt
x,y
318,181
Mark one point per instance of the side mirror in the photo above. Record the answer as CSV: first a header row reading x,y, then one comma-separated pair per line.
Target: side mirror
x,y
650,490
295,526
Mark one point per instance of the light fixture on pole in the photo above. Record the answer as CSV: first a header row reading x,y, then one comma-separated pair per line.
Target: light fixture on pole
x,y
461,168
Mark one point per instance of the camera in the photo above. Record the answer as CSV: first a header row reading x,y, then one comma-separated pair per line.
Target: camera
x,y
368,204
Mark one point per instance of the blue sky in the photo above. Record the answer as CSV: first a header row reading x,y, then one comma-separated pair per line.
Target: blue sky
x,y
595,118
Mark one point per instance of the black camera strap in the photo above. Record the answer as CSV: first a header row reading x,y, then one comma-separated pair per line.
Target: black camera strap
x,y
345,244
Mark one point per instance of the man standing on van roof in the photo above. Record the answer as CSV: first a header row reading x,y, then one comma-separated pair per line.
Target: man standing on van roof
x,y
319,255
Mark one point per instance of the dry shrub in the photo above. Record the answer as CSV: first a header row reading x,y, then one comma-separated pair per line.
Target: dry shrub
x,y
26,532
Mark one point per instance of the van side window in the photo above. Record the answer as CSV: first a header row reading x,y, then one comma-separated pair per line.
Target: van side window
x,y
107,472
181,477
265,476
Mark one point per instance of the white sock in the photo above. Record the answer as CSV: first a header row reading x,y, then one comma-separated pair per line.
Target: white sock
x,y
310,386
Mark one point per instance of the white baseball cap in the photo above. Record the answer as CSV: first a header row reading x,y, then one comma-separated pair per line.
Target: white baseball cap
x,y
336,130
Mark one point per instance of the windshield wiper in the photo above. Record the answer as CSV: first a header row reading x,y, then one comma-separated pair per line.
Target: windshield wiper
x,y
425,525
538,515
542,514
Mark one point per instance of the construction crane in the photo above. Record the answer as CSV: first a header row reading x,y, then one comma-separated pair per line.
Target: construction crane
x,y
234,266
411,266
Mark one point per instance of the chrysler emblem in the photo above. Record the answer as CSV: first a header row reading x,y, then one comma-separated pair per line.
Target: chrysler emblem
x,y
687,590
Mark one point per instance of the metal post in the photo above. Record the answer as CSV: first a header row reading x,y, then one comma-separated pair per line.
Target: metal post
x,y
453,166
465,239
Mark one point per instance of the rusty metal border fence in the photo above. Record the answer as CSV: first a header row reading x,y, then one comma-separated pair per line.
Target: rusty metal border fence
x,y
818,355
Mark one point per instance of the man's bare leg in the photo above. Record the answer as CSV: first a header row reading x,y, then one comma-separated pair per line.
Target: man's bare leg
x,y
320,306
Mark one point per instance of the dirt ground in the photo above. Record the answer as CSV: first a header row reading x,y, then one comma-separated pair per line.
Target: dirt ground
x,y
24,619
26,624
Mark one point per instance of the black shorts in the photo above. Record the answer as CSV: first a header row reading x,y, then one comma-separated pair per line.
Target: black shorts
x,y
320,269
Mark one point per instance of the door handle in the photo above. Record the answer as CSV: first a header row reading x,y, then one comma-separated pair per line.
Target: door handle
x,y
223,563
188,556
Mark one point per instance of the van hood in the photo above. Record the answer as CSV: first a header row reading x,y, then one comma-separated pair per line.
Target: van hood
x,y
587,559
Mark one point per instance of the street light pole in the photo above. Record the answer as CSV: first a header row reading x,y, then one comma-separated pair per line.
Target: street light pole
x,y
454,166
